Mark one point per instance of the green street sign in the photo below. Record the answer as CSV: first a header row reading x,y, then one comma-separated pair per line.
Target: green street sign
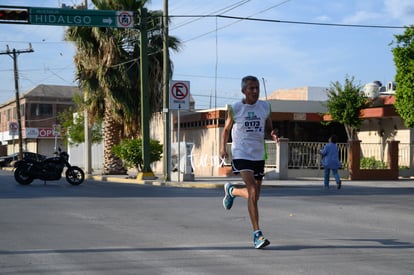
x,y
87,18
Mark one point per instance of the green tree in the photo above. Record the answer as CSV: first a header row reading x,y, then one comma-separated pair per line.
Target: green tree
x,y
404,61
108,65
73,125
130,151
345,103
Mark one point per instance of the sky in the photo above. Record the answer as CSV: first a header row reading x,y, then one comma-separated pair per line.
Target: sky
x,y
217,52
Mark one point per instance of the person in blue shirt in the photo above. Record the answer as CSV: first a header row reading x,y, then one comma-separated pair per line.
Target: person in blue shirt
x,y
330,161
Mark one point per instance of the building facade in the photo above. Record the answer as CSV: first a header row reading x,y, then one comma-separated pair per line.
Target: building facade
x,y
297,119
39,109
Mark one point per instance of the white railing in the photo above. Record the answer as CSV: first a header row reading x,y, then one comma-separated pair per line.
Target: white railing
x,y
406,155
378,151
306,154
301,154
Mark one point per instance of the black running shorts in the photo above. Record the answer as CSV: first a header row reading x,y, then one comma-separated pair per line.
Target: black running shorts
x,y
256,166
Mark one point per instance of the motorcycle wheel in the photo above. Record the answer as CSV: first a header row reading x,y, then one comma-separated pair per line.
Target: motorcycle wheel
x,y
21,176
75,175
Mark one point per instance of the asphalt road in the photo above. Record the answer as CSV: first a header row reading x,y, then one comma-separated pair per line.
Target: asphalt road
x,y
119,228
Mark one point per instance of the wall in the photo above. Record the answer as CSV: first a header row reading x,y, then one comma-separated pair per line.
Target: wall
x,y
356,173
306,93
77,156
205,138
378,130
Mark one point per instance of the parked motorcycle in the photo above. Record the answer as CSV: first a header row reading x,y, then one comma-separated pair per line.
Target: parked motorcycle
x,y
28,170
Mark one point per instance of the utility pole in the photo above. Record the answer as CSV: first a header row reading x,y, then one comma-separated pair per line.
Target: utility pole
x,y
165,82
87,132
13,54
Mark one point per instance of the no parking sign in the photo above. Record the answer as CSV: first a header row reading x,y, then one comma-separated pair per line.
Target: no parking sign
x,y
13,128
179,95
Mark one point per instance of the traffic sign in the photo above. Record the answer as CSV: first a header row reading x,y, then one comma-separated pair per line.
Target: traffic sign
x,y
13,128
180,95
86,18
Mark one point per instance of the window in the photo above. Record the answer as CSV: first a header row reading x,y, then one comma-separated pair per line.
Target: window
x,y
41,109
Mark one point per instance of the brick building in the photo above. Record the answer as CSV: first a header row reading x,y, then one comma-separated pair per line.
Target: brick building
x,y
39,108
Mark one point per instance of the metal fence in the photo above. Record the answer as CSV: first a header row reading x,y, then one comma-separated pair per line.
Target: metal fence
x,y
378,151
303,155
306,154
406,155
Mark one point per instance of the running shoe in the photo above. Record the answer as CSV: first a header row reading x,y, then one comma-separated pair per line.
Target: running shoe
x,y
228,198
259,241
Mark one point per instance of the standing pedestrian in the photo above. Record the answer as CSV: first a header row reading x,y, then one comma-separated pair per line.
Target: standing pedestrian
x,y
248,120
330,161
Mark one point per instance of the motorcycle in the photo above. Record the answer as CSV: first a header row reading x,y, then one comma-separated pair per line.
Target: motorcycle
x,y
27,170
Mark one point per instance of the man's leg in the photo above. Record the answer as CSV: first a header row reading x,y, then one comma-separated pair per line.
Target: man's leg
x,y
251,193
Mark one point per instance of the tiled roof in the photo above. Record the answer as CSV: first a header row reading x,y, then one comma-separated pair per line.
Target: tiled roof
x,y
55,91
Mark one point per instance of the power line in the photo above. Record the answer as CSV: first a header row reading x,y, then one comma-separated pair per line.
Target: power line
x,y
228,25
313,23
239,19
220,11
295,22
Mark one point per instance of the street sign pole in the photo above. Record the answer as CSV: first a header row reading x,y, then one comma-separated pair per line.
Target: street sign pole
x,y
179,143
166,99
146,172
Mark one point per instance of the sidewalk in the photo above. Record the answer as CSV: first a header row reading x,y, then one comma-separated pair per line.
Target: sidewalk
x,y
218,182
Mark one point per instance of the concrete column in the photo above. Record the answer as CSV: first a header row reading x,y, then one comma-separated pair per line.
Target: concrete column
x,y
282,158
393,155
354,158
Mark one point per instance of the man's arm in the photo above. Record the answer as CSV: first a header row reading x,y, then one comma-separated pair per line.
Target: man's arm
x,y
272,132
225,135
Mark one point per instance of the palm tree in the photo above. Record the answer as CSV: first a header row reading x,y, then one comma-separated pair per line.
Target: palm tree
x,y
108,65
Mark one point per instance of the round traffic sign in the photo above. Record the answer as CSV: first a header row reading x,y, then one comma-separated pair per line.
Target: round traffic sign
x,y
13,126
125,19
179,90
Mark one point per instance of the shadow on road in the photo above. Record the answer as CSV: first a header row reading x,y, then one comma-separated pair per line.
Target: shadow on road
x,y
362,244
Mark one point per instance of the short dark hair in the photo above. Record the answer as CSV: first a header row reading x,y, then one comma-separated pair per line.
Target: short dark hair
x,y
248,78
333,139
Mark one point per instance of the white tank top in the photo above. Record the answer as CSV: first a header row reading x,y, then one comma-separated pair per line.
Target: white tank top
x,y
248,130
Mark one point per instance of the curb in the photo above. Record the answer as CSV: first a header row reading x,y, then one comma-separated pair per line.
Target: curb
x,y
155,182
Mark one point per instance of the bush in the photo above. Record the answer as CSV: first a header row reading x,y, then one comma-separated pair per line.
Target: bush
x,y
372,163
130,151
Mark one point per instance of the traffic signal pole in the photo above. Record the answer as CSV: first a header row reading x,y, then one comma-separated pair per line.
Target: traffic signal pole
x,y
146,172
